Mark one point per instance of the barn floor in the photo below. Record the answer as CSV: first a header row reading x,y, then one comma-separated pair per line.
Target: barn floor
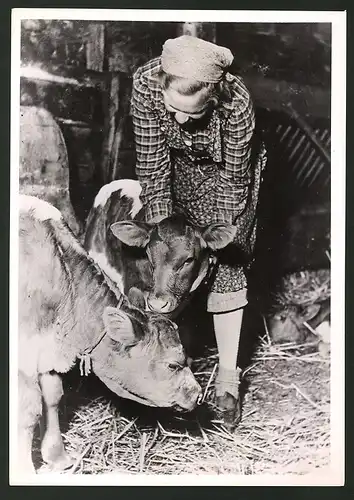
x,y
285,427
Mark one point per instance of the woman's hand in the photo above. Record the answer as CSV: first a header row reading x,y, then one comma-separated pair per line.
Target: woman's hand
x,y
157,219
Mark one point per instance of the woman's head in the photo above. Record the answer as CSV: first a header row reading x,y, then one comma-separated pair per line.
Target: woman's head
x,y
189,98
192,76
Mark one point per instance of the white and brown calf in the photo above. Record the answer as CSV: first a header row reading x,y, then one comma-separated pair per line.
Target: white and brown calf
x,y
167,261
67,311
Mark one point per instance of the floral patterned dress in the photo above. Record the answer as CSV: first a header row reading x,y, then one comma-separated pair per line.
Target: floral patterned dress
x,y
193,184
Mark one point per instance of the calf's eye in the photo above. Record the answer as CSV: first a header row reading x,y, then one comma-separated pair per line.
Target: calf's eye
x,y
175,367
187,262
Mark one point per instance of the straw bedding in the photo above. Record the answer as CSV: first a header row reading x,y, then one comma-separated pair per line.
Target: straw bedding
x,y
285,426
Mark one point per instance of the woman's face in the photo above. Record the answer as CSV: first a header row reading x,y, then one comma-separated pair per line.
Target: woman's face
x,y
186,107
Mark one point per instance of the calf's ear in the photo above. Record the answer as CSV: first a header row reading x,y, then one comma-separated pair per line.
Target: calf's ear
x,y
310,311
119,326
132,233
218,235
136,298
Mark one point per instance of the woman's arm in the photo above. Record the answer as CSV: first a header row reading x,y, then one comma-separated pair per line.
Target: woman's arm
x,y
153,167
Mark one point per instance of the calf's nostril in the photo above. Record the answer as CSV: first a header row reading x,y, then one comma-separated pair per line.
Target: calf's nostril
x,y
157,304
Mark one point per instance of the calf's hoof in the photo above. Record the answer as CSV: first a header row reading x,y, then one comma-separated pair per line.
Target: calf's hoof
x,y
227,397
61,463
56,457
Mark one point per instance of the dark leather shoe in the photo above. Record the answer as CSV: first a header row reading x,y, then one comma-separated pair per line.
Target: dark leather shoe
x,y
227,397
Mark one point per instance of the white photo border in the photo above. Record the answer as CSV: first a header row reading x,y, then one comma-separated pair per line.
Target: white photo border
x,y
334,475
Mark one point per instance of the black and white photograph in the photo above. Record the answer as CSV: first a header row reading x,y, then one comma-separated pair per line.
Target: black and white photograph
x,y
177,247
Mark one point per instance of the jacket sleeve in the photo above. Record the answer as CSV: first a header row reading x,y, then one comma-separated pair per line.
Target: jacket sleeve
x,y
235,173
153,166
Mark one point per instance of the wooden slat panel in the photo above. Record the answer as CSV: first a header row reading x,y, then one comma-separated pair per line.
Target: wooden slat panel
x,y
298,163
95,47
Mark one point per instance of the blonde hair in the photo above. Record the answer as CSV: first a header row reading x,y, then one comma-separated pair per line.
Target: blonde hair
x,y
214,92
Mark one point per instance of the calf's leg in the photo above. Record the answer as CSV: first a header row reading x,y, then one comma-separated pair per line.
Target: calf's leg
x,y
30,409
52,448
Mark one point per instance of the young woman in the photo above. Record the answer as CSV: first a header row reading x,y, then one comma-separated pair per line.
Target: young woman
x,y
194,130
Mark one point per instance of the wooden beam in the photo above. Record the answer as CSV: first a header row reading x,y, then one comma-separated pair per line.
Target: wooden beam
x,y
207,31
95,47
116,126
111,108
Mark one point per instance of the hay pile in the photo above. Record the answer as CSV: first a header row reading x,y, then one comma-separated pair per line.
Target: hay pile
x,y
285,426
303,288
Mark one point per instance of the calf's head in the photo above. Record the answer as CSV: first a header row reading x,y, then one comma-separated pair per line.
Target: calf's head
x,y
141,358
287,324
177,253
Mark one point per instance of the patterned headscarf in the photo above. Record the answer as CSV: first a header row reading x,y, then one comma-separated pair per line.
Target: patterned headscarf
x,y
191,57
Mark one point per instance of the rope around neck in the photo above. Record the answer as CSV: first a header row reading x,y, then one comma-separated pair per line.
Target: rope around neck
x,y
85,357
